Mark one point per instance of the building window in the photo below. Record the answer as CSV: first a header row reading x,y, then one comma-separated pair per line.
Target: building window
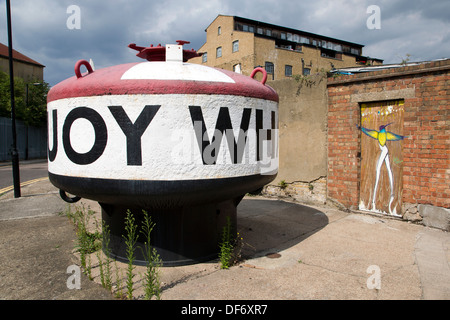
x,y
205,57
218,52
268,32
259,30
354,51
289,36
306,71
328,53
245,28
219,31
251,29
269,69
283,36
236,46
237,68
296,38
288,71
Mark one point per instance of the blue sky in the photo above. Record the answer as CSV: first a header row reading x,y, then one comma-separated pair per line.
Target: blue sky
x,y
419,28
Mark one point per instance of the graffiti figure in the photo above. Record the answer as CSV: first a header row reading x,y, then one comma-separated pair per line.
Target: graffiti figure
x,y
382,136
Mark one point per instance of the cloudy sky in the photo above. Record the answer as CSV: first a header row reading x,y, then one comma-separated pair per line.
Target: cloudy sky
x,y
420,28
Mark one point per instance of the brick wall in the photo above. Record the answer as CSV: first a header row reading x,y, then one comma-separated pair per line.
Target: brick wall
x,y
425,89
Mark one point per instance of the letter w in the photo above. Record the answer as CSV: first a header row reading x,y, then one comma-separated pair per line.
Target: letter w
x,y
223,124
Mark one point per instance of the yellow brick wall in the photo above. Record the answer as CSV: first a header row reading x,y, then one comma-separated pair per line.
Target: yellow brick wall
x,y
255,51
245,54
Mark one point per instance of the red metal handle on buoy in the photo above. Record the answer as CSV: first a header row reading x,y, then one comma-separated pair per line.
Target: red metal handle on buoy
x,y
82,63
259,69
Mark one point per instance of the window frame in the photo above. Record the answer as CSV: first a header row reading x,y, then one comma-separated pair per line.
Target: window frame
x,y
286,68
270,68
235,46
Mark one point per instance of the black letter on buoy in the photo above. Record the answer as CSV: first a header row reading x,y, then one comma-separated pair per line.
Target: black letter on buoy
x,y
134,131
267,133
52,153
101,135
223,125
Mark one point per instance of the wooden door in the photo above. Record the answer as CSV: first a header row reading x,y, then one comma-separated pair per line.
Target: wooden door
x,y
381,157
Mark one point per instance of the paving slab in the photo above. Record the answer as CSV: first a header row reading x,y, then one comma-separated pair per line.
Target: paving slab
x,y
289,252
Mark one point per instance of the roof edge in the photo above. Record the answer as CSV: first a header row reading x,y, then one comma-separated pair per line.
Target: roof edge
x,y
299,31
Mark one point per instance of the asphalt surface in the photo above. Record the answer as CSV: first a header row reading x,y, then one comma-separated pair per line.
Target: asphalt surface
x,y
29,170
289,252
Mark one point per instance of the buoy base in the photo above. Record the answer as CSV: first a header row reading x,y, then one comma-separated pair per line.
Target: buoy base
x,y
181,236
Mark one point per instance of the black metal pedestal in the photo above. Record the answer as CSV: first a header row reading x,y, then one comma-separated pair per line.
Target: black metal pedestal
x,y
181,236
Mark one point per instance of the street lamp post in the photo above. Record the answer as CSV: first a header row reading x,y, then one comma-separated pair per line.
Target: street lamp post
x,y
14,152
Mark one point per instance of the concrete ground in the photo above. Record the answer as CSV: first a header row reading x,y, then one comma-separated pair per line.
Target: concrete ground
x,y
289,251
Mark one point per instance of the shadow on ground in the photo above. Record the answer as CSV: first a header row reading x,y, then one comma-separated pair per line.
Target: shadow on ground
x,y
270,226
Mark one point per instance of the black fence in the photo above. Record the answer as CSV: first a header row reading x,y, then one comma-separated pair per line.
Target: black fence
x,y
31,141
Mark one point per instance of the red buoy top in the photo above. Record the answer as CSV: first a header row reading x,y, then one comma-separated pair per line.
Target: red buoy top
x,y
160,74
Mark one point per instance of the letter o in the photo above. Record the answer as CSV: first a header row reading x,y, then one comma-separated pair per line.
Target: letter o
x,y
101,135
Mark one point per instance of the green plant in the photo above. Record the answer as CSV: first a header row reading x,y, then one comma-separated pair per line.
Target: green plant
x,y
89,268
226,246
30,107
100,266
406,59
152,285
119,294
282,184
107,251
130,243
87,242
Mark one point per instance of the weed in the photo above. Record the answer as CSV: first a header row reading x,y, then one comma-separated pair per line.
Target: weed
x,y
130,242
100,266
152,285
119,294
89,268
228,254
87,242
90,242
282,184
107,251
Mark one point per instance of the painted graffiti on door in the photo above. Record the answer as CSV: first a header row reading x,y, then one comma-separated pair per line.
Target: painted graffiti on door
x,y
381,156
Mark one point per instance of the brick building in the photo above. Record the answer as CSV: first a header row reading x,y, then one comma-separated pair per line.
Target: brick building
x,y
410,104
24,67
240,44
